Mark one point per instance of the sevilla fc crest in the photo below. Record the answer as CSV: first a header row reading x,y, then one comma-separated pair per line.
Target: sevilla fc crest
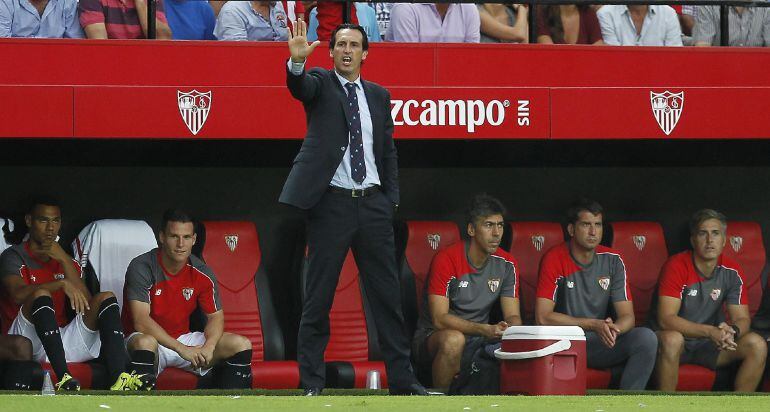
x,y
194,107
604,282
639,241
538,241
231,241
493,284
187,293
736,242
715,294
667,109
434,239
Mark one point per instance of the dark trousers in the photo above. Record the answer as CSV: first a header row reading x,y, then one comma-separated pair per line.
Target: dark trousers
x,y
365,224
636,348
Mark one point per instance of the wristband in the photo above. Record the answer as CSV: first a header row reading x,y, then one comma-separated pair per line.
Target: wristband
x,y
737,331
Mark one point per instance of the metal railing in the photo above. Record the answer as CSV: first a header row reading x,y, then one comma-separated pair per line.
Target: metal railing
x,y
723,10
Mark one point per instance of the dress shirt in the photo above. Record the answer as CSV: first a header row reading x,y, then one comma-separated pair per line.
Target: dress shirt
x,y
19,18
422,23
660,26
238,21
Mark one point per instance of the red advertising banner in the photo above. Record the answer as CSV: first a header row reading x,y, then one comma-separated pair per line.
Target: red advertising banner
x,y
36,111
271,112
660,113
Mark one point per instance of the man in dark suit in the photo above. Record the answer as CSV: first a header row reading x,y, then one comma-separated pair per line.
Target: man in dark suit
x,y
346,177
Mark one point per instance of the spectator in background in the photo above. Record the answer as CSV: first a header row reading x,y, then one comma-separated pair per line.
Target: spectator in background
x,y
568,24
252,20
121,19
748,26
329,16
51,19
503,23
190,20
366,19
382,10
639,25
434,22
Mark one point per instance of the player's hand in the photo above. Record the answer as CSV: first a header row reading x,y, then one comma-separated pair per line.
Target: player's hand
x,y
78,300
54,250
607,331
495,331
298,46
207,354
191,354
728,337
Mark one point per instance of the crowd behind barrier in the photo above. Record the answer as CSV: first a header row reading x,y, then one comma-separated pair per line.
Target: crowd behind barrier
x,y
695,22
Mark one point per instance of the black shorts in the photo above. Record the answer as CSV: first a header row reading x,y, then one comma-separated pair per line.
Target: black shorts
x,y
701,352
420,354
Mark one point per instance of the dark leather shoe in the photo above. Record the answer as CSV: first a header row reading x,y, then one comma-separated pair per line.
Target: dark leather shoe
x,y
413,389
312,391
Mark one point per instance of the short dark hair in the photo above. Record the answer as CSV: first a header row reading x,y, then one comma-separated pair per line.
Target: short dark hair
x,y
583,205
37,200
703,215
483,205
176,215
333,39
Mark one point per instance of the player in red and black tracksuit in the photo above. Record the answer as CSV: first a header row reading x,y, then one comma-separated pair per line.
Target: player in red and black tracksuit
x,y
578,281
163,287
693,290
38,275
466,279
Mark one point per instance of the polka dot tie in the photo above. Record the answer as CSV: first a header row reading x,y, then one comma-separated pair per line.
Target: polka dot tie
x,y
357,164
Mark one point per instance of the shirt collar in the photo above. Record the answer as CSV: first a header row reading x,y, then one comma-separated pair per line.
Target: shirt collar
x,y
344,81
651,9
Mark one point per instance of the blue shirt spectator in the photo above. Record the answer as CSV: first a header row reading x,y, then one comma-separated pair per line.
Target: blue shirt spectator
x,y
190,19
19,18
367,18
252,20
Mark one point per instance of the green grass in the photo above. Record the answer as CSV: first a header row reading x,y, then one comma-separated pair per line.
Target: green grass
x,y
222,403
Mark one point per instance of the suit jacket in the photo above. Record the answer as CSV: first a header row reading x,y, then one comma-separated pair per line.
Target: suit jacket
x,y
325,102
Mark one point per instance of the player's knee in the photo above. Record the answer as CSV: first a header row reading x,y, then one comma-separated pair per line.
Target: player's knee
x,y
670,343
38,293
452,343
645,340
100,297
143,341
755,345
240,343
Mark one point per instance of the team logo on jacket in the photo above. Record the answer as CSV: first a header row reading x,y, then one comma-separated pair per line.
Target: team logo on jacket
x,y
639,241
194,107
493,284
231,241
187,293
667,109
538,241
736,242
715,294
570,284
434,239
692,292
604,282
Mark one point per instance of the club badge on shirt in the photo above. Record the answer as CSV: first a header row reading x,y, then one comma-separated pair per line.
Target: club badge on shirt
x,y
604,282
187,293
715,294
493,284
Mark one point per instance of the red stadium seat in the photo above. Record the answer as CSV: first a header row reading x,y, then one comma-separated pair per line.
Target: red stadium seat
x,y
529,242
745,245
424,240
350,351
644,252
232,251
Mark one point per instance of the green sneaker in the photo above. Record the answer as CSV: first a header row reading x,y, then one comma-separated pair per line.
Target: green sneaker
x,y
68,383
122,383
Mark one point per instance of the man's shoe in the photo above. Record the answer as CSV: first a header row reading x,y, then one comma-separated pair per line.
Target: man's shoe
x,y
121,384
413,389
145,382
312,391
68,383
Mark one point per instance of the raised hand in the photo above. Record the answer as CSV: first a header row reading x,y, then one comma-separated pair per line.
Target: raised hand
x,y
298,46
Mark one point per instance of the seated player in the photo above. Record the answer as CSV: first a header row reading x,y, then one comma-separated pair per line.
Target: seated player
x,y
577,282
693,290
37,276
163,288
465,280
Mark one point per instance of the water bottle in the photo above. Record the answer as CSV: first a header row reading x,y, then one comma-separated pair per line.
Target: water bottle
x,y
47,385
373,379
